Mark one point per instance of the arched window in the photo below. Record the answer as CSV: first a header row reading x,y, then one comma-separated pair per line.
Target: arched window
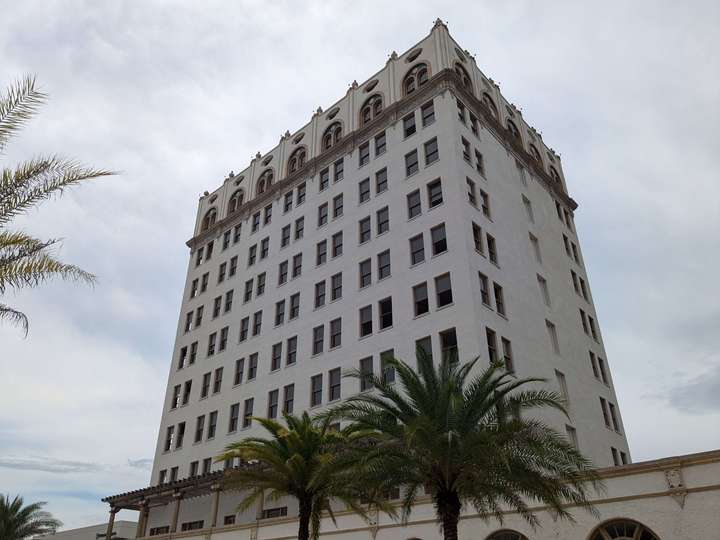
x,y
297,159
490,104
209,219
371,108
415,78
506,534
236,200
512,128
265,181
464,77
535,153
554,174
331,135
623,529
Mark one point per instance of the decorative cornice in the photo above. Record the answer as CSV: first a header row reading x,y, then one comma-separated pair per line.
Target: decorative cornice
x,y
445,79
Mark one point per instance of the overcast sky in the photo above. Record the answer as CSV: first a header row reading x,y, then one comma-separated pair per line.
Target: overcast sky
x,y
175,94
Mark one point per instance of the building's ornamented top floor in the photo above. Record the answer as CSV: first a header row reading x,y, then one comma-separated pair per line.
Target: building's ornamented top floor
x,y
403,75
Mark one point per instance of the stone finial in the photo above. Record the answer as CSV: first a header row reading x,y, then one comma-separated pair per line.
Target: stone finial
x,y
438,23
354,84
206,193
393,55
287,134
319,110
230,176
258,155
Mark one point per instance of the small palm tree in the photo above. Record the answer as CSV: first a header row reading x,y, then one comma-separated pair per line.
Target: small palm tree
x,y
299,460
26,261
18,522
464,441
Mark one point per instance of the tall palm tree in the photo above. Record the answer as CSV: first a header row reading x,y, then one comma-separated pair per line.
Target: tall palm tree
x,y
299,460
26,261
18,522
465,441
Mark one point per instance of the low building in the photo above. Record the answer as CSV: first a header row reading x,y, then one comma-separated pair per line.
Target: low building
x,y
122,530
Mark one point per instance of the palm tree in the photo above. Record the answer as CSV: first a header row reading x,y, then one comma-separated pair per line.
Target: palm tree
x,y
465,441
299,460
26,261
18,522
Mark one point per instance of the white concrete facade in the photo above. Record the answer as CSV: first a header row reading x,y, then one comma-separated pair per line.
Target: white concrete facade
x,y
538,266
121,530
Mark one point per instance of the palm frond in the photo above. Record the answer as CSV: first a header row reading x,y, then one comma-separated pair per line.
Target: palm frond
x,y
18,105
14,317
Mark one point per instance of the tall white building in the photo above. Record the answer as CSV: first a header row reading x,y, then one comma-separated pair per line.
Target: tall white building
x,y
420,209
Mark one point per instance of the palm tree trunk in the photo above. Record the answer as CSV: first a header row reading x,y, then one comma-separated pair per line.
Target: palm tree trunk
x,y
449,509
304,519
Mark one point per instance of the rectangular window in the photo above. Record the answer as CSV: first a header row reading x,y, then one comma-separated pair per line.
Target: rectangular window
x,y
423,346
282,272
273,397
226,240
199,256
285,236
288,398
287,202
321,253
364,190
294,306
484,289
364,154
552,333
217,306
387,370
234,417
593,329
443,290
431,151
175,401
601,367
507,355
338,170
248,412
291,351
233,266
366,373
206,465
439,239
365,272
324,179
212,424
209,251
299,227
186,392
583,321
211,343
320,294
420,299
492,248
229,300
236,233
535,243
223,338
300,194
544,293
252,254
322,214
182,358
315,390
409,127
461,111
257,323
383,220
260,287
417,249
435,195
337,244
411,163
365,321
244,326
276,358
427,111
336,284
479,163
204,282
334,379
613,416
188,321
615,458
471,192
194,288
198,316
337,206
528,209
413,204
485,204
491,339
381,181
499,299
239,371
297,265
465,149
248,290
364,229
474,125
267,215
448,345
605,413
380,144
386,313
383,262
199,428
318,339
255,223
335,333
194,466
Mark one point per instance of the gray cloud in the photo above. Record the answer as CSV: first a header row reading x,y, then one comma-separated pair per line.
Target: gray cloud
x,y
49,464
698,396
145,463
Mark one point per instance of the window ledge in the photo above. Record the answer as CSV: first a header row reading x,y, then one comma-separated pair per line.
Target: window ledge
x,y
421,315
446,306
